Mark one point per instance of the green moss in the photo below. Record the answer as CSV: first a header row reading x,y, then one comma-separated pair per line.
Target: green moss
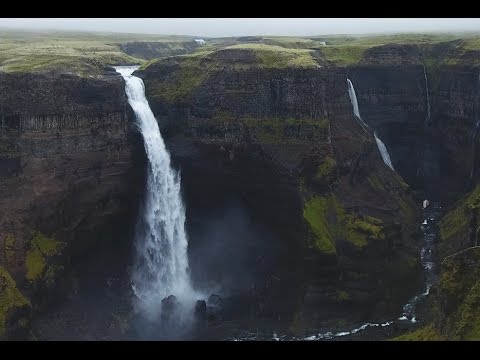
x,y
10,297
316,213
48,246
35,263
330,221
468,317
426,333
457,296
41,249
359,231
342,295
326,168
456,222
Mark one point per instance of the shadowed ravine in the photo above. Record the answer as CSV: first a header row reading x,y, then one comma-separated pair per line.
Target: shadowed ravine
x,y
128,294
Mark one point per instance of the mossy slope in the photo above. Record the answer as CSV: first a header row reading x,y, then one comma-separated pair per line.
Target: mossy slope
x,y
10,299
330,223
38,263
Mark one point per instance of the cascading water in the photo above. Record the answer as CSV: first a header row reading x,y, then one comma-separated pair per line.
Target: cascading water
x,y
161,267
475,133
428,98
381,146
353,100
383,151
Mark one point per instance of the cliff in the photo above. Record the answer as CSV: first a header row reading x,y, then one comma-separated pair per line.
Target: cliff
x,y
69,160
283,135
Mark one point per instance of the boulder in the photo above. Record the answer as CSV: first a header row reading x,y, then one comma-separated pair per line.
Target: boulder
x,y
169,306
200,311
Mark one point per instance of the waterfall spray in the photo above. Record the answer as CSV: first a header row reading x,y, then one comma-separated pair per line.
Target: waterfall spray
x,y
161,243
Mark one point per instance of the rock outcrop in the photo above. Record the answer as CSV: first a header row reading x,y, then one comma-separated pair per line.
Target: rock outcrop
x,y
69,162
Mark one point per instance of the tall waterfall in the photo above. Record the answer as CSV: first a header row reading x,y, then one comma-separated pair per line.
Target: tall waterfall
x,y
353,100
428,98
475,132
383,151
381,146
161,243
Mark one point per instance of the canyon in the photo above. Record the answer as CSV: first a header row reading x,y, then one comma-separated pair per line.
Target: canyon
x,y
293,215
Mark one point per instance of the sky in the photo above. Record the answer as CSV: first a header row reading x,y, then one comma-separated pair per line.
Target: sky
x,y
218,27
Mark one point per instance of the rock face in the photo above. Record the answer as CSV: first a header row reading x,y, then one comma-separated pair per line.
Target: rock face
x,y
290,208
287,141
437,154
70,174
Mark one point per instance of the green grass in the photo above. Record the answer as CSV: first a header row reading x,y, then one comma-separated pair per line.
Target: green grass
x,y
455,224
274,56
82,53
426,333
10,297
345,55
457,297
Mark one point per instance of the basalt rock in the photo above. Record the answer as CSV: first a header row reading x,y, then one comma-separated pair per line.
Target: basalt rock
x,y
69,155
287,141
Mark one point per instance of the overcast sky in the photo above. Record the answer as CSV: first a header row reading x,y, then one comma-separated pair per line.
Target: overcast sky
x,y
235,27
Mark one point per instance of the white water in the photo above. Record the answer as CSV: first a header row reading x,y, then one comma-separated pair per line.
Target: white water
x,y
381,146
383,151
475,132
353,100
428,98
161,267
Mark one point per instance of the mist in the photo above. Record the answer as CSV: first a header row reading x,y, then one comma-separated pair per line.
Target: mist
x,y
224,27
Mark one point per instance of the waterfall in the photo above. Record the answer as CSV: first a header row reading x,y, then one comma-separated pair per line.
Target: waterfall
x,y
381,146
475,132
383,151
161,266
428,98
353,100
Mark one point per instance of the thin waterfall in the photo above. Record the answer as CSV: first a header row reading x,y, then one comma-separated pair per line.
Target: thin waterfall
x,y
353,100
161,267
383,151
475,132
381,146
428,98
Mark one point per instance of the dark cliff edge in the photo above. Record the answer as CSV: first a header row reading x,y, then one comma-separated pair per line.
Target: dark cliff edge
x,y
71,175
286,139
